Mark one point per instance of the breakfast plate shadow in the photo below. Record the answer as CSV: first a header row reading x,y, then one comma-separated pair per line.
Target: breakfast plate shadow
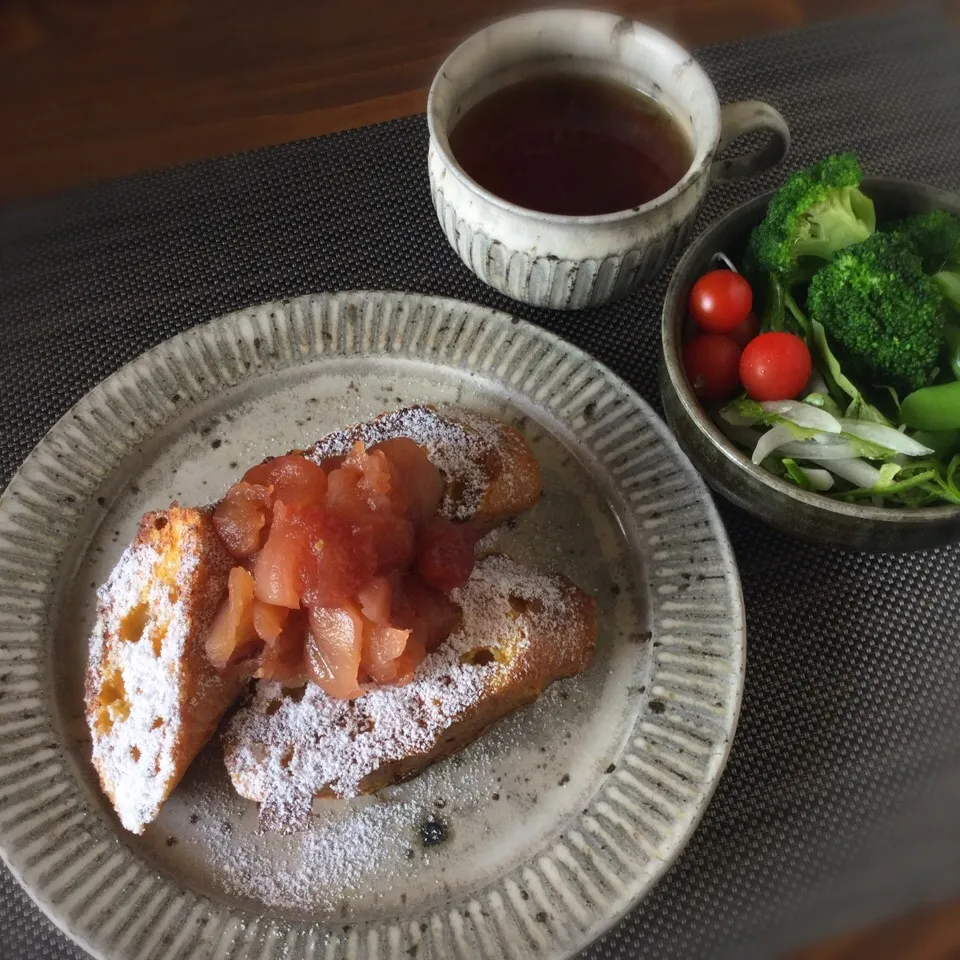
x,y
538,836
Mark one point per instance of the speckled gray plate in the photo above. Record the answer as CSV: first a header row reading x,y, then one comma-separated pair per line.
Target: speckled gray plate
x,y
555,822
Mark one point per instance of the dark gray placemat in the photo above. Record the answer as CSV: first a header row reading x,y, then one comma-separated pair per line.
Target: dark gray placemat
x,y
840,801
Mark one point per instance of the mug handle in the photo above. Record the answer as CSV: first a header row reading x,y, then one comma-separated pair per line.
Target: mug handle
x,y
750,116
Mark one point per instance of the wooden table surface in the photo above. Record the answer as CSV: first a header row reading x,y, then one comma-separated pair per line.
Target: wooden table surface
x,y
90,90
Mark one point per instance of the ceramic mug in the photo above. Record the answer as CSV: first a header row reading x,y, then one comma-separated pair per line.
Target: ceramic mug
x,y
571,262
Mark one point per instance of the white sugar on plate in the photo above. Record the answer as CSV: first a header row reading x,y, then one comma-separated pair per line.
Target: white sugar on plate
x,y
329,864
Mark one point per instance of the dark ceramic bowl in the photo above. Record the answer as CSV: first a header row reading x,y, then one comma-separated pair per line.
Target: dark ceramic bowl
x,y
809,516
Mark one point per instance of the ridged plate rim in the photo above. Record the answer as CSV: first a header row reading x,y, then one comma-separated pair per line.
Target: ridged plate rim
x,y
72,862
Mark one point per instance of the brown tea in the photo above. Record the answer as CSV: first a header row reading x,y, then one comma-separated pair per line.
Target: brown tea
x,y
571,144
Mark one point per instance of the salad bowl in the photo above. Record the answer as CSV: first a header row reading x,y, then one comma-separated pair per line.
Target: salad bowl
x,y
805,514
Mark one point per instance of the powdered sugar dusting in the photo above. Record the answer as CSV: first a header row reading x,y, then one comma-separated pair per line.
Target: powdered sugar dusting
x,y
460,454
328,868
145,669
514,483
135,759
283,751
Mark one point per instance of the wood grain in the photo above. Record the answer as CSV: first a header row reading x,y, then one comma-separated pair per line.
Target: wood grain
x,y
100,88
931,934
90,90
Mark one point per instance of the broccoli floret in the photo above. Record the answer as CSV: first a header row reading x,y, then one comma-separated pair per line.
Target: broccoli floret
x,y
816,213
935,237
884,312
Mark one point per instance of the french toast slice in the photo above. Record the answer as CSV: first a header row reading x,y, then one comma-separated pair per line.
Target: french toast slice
x,y
490,470
152,698
520,631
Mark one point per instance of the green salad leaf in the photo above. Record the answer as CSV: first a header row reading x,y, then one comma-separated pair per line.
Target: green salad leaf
x,y
858,408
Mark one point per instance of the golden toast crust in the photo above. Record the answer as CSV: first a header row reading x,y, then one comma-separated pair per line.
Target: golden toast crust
x,y
520,632
152,698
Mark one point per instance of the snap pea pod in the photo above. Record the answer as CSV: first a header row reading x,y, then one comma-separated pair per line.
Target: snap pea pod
x,y
951,340
932,408
943,443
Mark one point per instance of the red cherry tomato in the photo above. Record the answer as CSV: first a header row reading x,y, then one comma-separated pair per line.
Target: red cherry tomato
x,y
775,366
720,301
746,331
711,362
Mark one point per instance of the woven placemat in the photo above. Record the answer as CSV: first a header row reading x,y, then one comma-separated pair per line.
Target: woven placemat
x,y
840,803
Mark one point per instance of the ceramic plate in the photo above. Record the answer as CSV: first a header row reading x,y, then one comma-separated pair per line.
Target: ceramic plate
x,y
533,840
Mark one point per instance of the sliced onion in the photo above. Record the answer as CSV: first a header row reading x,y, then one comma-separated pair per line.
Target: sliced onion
x,y
722,258
773,439
803,415
820,480
857,471
736,418
816,383
744,436
885,436
812,450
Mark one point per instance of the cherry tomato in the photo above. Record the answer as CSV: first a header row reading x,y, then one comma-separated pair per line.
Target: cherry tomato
x,y
775,366
746,331
711,362
720,301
